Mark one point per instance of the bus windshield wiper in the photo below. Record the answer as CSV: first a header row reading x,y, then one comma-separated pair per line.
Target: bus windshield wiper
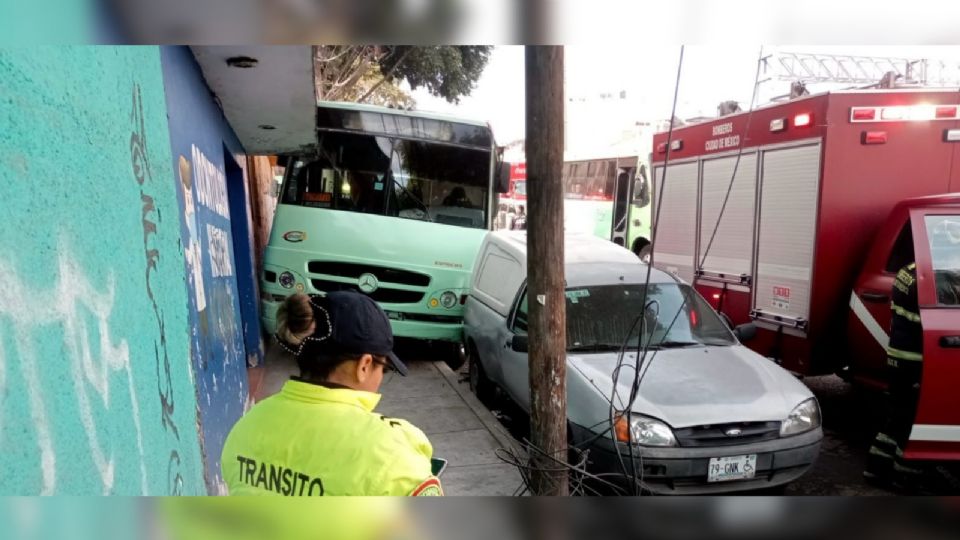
x,y
415,199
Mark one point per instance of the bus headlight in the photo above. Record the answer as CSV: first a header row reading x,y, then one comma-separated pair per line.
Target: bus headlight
x,y
448,299
287,280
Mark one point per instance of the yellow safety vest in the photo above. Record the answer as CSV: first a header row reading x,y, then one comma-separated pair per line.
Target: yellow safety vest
x,y
311,440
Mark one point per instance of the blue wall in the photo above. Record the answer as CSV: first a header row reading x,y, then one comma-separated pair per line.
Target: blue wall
x,y
202,143
96,388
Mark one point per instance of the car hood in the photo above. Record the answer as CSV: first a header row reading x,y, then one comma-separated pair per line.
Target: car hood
x,y
698,385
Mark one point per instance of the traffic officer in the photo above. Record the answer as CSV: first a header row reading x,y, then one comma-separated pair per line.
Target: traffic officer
x,y
320,435
885,461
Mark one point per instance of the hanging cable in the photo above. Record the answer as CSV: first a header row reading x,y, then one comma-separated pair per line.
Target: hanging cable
x,y
638,360
736,164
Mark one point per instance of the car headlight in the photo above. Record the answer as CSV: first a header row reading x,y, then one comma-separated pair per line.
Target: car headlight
x,y
644,431
448,299
804,417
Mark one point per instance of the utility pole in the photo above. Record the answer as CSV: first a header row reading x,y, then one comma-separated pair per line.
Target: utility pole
x,y
545,280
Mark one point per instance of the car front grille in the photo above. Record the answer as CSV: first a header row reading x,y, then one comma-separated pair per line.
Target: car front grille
x,y
727,434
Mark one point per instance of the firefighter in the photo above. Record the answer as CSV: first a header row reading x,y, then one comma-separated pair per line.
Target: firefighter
x,y
320,434
885,463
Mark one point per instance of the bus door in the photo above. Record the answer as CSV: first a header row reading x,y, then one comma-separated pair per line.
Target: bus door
x,y
621,204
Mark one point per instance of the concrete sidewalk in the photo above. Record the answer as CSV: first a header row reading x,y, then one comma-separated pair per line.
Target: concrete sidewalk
x,y
461,429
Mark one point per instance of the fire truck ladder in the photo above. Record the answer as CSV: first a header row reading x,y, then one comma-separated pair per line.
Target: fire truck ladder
x,y
861,71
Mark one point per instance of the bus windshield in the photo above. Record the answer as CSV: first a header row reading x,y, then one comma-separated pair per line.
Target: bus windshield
x,y
403,178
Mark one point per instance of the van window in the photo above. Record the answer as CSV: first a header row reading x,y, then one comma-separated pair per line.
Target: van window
x,y
520,321
943,233
499,279
902,252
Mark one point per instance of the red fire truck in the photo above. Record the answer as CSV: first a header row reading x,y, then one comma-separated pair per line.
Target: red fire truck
x,y
832,194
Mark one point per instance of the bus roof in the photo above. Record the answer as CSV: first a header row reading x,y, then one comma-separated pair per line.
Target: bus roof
x,y
401,112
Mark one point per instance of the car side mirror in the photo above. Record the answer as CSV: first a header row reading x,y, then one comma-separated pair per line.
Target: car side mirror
x,y
745,332
520,343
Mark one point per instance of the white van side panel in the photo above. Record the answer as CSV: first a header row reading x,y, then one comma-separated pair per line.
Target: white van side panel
x,y
498,278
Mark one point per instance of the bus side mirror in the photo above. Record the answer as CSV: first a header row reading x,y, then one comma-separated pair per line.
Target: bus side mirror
x,y
503,178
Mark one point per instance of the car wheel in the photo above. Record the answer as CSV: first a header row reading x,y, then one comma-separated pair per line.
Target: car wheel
x,y
480,385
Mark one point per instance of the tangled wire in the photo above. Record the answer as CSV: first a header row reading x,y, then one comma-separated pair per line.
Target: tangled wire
x,y
534,459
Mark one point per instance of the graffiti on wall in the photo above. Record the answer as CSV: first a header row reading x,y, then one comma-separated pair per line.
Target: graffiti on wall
x,y
96,359
150,218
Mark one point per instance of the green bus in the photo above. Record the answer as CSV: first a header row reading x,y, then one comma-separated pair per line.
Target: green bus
x,y
609,198
390,203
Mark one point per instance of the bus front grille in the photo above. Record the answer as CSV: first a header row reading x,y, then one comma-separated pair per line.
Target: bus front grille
x,y
382,273
383,294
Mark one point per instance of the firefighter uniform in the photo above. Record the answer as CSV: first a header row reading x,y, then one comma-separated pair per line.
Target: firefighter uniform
x,y
904,368
311,440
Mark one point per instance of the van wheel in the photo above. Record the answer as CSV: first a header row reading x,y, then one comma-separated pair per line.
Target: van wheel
x,y
480,385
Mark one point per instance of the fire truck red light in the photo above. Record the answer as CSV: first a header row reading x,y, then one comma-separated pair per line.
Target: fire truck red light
x,y
801,120
946,112
661,148
874,137
716,296
864,114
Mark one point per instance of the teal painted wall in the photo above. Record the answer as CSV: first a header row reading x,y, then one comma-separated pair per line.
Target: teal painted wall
x,y
96,387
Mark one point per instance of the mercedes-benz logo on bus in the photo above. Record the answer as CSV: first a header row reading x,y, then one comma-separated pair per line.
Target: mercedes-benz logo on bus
x,y
368,283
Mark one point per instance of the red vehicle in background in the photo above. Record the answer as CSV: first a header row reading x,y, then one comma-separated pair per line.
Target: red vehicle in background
x,y
832,194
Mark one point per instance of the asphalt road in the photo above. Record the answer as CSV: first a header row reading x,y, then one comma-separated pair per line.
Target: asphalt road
x,y
850,422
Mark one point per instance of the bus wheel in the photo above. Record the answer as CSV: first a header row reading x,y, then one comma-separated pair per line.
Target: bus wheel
x,y
453,354
642,249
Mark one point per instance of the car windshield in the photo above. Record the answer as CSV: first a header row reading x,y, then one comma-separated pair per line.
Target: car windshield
x,y
599,318
944,236
401,178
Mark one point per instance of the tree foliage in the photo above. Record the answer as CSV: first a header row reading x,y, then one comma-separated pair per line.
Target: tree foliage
x,y
372,74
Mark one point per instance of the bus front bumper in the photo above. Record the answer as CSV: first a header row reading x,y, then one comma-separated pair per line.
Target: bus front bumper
x,y
405,324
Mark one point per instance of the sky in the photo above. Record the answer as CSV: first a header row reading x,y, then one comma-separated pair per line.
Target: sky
x,y
710,74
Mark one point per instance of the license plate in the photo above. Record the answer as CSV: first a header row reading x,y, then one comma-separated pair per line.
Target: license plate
x,y
723,469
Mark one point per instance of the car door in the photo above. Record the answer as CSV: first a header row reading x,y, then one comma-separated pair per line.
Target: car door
x,y
936,430
870,315
514,364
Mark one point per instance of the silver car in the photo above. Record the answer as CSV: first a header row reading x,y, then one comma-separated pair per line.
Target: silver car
x,y
709,416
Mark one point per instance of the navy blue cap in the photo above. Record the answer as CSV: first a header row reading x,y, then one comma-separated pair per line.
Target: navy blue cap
x,y
352,323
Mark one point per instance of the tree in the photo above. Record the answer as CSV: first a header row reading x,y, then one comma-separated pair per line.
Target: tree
x,y
372,74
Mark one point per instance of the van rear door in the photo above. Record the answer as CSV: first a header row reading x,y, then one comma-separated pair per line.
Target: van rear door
x,y
936,430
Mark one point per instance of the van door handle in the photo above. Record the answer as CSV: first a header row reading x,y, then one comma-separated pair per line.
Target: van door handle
x,y
950,342
875,297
